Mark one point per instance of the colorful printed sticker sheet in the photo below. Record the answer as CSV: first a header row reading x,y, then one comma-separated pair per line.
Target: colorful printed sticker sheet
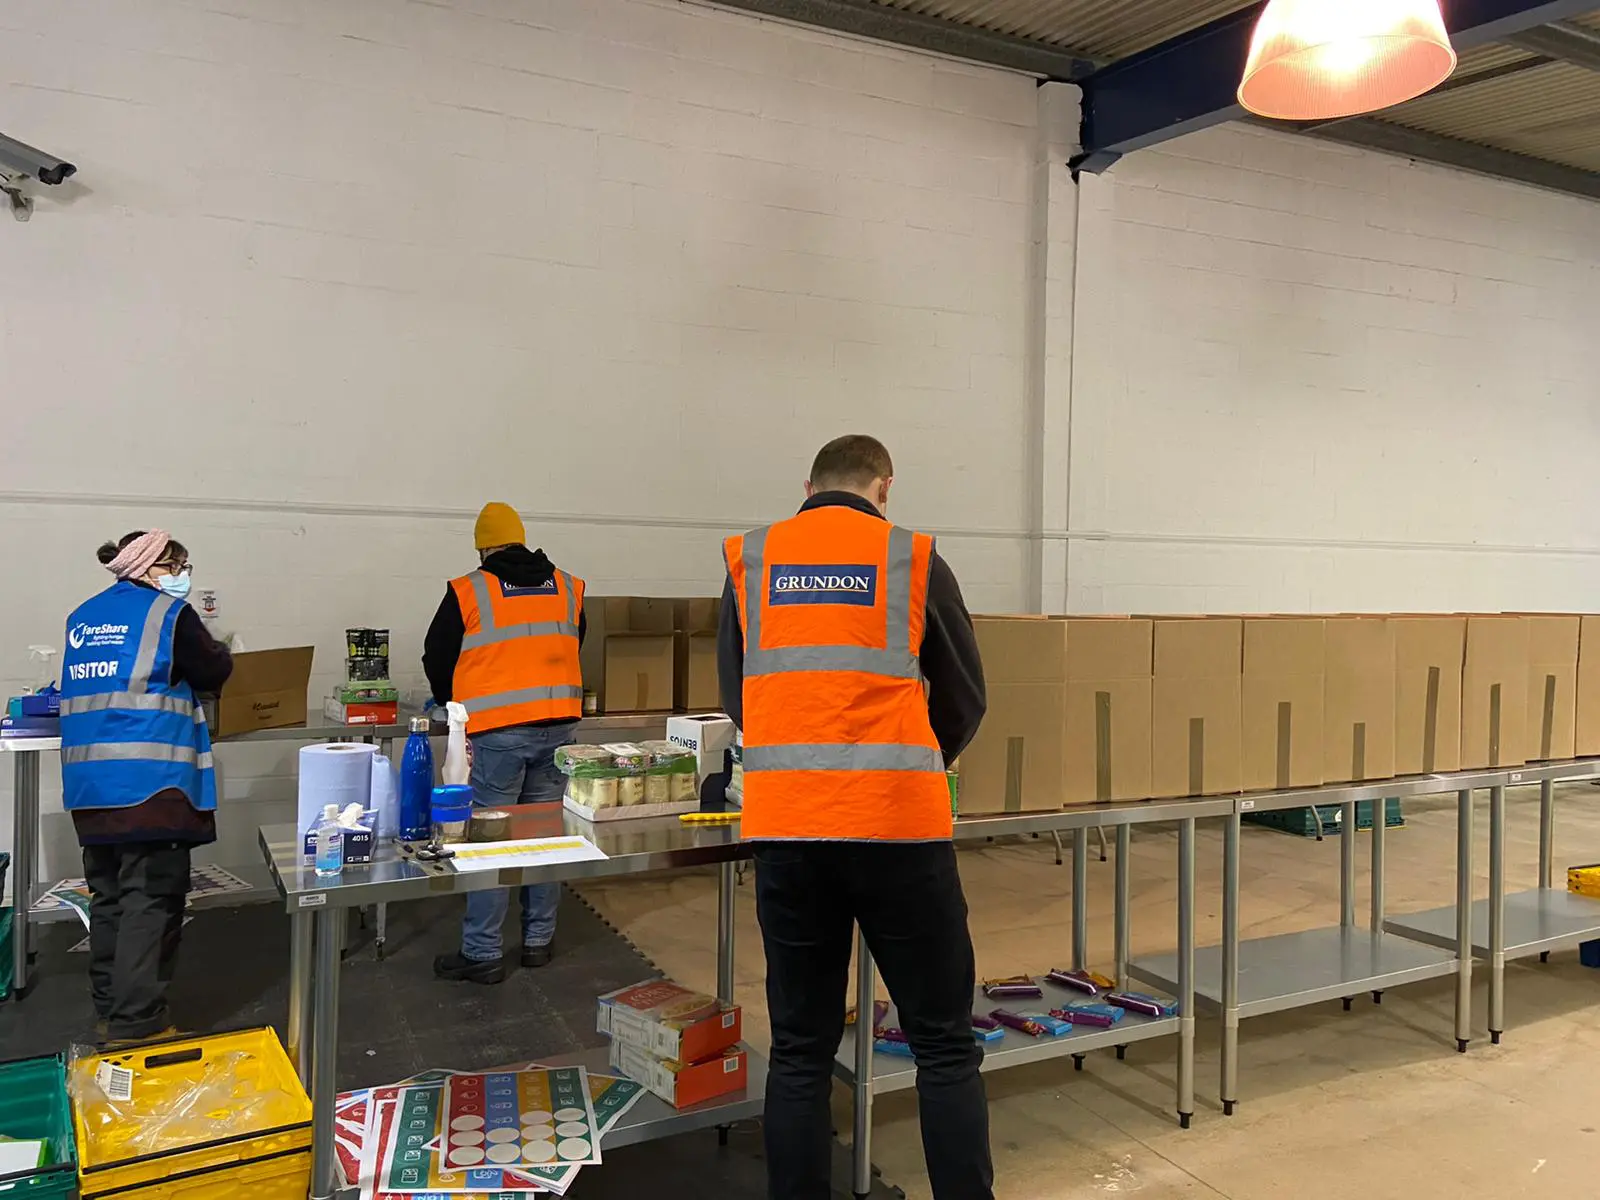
x,y
376,1149
520,1119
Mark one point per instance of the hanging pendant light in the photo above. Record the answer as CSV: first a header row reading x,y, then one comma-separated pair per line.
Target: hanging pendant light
x,y
1321,59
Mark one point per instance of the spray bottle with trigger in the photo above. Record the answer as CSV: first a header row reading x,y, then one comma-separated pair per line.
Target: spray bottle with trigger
x,y
458,752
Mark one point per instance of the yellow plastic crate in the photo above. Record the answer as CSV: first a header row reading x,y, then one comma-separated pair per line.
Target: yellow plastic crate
x,y
1584,880
264,1155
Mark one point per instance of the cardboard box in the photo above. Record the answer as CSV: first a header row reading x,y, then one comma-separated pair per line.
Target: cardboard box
x,y
1586,742
628,660
340,712
1358,700
697,614
1428,657
267,690
1107,744
695,671
1197,707
668,1020
1285,662
709,735
1494,693
1552,686
651,614
1016,762
683,1085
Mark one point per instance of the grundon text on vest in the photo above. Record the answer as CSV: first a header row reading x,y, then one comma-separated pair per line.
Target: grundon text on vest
x,y
837,744
128,731
519,654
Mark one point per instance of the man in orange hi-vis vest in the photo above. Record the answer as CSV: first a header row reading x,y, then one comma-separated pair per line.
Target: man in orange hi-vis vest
x,y
847,658
504,644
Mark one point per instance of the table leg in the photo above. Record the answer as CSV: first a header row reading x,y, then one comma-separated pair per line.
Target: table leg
x,y
325,1050
380,933
1347,864
1380,825
1463,919
1080,899
1497,913
1230,964
1185,969
301,942
24,855
1123,917
861,1147
1547,833
726,883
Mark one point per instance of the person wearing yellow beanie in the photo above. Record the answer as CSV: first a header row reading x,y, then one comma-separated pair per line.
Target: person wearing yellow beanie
x,y
504,643
497,527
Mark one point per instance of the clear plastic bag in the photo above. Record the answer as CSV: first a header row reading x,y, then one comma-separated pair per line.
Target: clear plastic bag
x,y
146,1111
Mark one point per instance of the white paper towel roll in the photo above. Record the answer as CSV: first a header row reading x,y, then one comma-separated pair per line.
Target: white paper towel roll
x,y
385,797
338,773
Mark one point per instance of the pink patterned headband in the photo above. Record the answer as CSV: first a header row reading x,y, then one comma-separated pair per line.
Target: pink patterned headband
x,y
135,559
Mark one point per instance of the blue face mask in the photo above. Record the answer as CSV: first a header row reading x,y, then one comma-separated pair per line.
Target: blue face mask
x,y
174,585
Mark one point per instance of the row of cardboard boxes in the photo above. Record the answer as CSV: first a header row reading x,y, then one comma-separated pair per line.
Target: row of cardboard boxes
x,y
1085,710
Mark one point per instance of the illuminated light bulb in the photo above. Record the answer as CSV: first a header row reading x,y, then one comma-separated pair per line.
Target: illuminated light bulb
x,y
1317,60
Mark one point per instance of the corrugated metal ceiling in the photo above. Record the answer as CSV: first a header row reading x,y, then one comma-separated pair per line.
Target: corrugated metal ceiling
x,y
1097,28
1551,110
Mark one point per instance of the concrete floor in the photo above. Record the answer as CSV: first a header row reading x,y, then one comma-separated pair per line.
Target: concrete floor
x,y
1375,1103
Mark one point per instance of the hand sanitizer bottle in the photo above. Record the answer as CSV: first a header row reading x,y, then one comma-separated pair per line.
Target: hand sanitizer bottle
x,y
330,843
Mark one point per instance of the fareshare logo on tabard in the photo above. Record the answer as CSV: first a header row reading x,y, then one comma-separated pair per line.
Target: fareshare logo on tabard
x,y
83,634
823,583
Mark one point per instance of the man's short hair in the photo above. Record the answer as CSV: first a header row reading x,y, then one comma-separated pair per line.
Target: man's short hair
x,y
853,461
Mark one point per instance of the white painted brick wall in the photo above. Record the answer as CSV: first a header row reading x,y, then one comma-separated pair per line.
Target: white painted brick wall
x,y
338,273
1312,377
334,274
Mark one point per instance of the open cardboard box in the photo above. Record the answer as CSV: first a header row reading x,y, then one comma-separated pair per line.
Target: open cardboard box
x,y
267,690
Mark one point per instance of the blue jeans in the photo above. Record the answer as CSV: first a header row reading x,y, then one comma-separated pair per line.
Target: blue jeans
x,y
514,766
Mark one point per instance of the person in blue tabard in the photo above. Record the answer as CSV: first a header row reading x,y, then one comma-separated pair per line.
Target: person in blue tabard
x,y
136,771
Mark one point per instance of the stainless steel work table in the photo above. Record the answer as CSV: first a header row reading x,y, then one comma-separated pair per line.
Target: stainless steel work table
x,y
1265,975
25,754
317,908
1523,923
870,1074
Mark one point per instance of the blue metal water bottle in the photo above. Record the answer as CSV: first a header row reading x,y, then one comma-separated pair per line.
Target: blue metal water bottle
x,y
416,784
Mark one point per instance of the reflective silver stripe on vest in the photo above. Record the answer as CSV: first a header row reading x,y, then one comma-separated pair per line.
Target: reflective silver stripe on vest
x,y
144,663
876,757
523,696
489,633
139,751
896,660
138,701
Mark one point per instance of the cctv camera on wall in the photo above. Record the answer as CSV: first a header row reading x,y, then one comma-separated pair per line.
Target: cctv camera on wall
x,y
19,161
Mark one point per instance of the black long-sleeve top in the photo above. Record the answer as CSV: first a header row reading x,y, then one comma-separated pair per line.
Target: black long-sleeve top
x,y
949,655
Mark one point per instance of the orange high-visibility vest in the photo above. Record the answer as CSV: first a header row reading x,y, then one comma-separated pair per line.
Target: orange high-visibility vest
x,y
519,654
837,744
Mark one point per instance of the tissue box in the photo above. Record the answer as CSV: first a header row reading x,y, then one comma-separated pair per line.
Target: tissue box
x,y
667,1020
359,842
683,1085
30,727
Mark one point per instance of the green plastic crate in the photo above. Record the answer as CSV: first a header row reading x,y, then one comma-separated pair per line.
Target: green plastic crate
x,y
33,1104
1301,821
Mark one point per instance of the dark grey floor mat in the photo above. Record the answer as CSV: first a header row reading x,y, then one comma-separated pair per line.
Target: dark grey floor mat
x,y
396,1019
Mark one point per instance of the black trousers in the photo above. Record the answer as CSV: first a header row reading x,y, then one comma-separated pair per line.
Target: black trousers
x,y
908,902
136,898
